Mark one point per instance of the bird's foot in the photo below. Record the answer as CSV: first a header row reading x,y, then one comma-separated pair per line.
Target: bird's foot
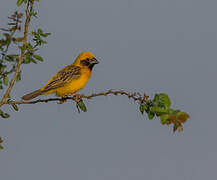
x,y
77,97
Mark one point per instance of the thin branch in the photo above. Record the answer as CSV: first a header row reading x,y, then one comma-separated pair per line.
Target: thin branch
x,y
134,96
8,72
15,17
7,46
22,55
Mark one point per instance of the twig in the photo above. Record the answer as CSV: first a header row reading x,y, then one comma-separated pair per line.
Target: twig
x,y
133,96
7,46
26,29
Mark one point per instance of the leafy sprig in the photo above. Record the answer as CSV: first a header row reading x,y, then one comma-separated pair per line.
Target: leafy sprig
x,y
160,106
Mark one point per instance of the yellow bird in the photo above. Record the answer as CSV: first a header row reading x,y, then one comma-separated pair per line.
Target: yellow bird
x,y
70,79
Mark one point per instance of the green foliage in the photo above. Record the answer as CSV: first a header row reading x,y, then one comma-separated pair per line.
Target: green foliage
x,y
5,80
38,37
164,118
8,38
162,100
38,57
15,107
30,49
4,115
8,60
19,2
142,108
81,106
1,147
160,106
1,141
151,114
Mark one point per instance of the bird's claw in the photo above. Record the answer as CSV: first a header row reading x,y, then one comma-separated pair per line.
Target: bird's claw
x,y
77,98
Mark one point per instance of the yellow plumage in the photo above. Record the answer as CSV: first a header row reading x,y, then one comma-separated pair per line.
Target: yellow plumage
x,y
70,79
72,86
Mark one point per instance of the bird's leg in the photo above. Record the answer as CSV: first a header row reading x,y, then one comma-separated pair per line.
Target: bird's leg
x,y
63,100
77,98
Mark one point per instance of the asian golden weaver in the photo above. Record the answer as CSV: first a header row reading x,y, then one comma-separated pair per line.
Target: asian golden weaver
x,y
70,79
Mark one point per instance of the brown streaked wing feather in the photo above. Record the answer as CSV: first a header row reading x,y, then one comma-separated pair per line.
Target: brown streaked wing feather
x,y
65,75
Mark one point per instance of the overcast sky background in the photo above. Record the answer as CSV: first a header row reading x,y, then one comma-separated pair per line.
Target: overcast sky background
x,y
143,45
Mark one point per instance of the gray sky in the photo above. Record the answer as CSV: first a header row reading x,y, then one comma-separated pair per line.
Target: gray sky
x,y
143,45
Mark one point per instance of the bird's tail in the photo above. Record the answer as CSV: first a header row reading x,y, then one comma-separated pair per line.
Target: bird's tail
x,y
32,95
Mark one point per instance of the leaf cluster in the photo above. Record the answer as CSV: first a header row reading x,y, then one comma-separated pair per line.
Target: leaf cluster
x,y
31,47
160,106
10,36
7,38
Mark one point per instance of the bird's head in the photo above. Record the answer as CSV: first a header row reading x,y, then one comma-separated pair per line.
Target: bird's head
x,y
86,59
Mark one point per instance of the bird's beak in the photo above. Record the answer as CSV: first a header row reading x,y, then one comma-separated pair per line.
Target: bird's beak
x,y
94,61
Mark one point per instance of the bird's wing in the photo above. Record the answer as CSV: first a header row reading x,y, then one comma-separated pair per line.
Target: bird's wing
x,y
64,76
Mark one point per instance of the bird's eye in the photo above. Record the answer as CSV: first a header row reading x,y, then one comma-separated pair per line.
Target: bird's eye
x,y
87,59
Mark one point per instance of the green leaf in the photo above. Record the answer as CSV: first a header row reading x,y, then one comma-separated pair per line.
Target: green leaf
x,y
164,118
165,100
157,101
4,115
82,106
38,57
11,57
34,14
78,108
43,42
19,2
26,60
158,111
156,97
5,80
37,36
18,39
2,67
150,115
1,147
29,46
173,111
40,31
45,34
32,60
141,108
15,107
